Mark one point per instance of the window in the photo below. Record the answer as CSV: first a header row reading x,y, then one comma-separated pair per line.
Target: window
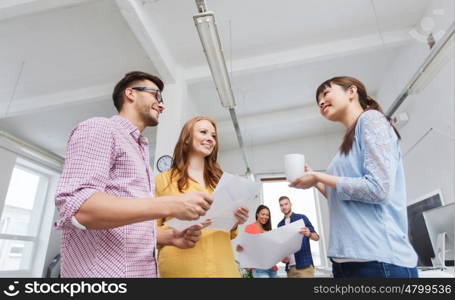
x,y
16,250
303,202
21,216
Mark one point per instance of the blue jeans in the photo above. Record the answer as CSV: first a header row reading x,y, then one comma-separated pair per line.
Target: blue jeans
x,y
373,269
264,273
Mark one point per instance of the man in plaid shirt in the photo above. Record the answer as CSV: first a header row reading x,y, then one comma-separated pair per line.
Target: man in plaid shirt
x,y
105,196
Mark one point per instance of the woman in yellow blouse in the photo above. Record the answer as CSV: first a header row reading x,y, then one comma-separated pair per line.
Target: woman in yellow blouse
x,y
194,168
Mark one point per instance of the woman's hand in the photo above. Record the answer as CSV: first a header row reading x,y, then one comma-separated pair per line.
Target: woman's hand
x,y
187,238
306,181
241,215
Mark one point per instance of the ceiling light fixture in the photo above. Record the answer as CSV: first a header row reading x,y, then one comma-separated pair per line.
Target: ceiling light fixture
x,y
208,33
440,54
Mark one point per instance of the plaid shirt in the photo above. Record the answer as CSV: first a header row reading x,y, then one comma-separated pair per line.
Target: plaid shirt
x,y
110,156
303,257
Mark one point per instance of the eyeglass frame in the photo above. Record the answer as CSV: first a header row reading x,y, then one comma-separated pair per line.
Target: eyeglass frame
x,y
158,95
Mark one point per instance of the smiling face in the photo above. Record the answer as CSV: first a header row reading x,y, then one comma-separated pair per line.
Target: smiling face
x,y
204,138
263,216
334,101
285,206
146,104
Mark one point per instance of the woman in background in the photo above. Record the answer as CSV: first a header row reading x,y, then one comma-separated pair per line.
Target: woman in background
x,y
365,186
263,223
195,168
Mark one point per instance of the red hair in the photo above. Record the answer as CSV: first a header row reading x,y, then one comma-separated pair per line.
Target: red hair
x,y
180,163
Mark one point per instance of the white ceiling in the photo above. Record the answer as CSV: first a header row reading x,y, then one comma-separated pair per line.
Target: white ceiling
x,y
292,86
66,55
53,126
280,105
72,55
255,27
66,49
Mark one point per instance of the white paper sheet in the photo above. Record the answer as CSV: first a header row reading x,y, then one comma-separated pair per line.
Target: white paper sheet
x,y
264,250
231,192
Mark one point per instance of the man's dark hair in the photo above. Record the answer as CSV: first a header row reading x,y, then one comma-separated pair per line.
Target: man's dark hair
x,y
284,197
129,80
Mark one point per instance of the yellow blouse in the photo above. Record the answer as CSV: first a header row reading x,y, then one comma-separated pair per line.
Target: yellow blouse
x,y
212,256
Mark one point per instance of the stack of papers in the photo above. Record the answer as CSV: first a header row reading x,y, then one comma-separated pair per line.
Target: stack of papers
x,y
231,193
263,251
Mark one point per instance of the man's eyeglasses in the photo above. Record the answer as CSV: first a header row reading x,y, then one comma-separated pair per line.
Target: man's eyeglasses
x,y
156,92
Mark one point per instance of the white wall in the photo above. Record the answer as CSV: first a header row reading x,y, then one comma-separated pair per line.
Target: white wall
x,y
167,132
268,158
48,237
179,108
53,244
429,164
7,162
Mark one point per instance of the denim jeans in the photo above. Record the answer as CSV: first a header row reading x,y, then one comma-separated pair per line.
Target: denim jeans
x,y
264,273
373,269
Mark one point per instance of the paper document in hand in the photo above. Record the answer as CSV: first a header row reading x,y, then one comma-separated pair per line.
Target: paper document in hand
x,y
264,250
231,192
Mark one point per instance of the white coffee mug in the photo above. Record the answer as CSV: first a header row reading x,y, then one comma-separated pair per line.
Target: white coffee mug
x,y
294,166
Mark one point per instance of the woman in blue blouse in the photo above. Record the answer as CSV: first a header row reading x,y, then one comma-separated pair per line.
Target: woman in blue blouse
x,y
365,186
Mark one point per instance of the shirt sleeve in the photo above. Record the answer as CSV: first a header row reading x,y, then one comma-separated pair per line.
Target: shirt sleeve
x,y
378,146
308,224
89,157
249,229
234,233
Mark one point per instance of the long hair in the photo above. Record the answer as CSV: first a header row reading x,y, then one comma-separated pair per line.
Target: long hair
x,y
366,102
267,226
180,163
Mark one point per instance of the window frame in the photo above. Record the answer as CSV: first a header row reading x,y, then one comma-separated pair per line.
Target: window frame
x,y
276,177
39,205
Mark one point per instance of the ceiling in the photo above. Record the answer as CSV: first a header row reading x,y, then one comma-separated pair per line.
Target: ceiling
x,y
62,59
250,28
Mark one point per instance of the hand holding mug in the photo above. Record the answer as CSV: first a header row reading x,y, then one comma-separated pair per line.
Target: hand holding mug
x,y
305,182
294,166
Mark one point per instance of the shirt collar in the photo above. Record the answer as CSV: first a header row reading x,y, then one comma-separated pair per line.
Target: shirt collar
x,y
290,216
131,128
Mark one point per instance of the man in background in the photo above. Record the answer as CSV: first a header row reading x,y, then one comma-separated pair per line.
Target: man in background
x,y
300,264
